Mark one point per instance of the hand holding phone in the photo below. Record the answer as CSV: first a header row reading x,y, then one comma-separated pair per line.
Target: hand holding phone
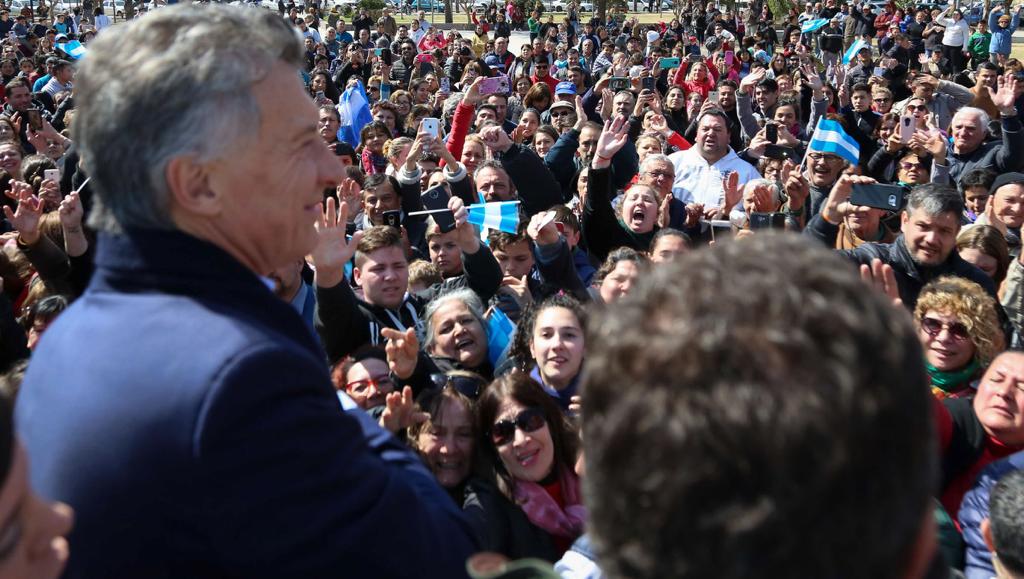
x,y
437,198
771,132
432,126
906,128
878,195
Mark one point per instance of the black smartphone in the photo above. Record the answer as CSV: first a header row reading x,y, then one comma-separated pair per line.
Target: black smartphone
x,y
647,83
437,198
879,196
767,220
350,229
35,119
393,218
771,132
779,152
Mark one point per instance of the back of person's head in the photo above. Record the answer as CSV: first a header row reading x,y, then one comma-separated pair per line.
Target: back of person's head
x,y
1005,528
734,433
424,274
150,83
981,178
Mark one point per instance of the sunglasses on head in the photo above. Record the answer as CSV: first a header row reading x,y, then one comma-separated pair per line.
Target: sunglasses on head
x,y
469,387
529,420
956,330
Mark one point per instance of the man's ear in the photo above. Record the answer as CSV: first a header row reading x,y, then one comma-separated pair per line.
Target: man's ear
x,y
188,183
357,276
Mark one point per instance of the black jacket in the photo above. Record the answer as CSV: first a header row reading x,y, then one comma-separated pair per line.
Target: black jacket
x,y
911,277
501,526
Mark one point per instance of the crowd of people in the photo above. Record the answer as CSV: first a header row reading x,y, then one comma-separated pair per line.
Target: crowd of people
x,y
753,298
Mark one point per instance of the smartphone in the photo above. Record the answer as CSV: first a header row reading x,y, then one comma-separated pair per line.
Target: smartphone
x,y
432,126
713,96
494,85
767,220
647,83
667,63
906,128
879,196
385,91
393,218
619,83
446,85
437,198
879,71
778,152
424,57
771,132
52,175
385,55
694,57
35,119
729,56
350,229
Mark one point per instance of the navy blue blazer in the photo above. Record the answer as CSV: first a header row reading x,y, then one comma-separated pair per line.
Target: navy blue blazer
x,y
187,415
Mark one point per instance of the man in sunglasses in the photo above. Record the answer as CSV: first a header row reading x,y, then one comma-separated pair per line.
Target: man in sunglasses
x,y
541,66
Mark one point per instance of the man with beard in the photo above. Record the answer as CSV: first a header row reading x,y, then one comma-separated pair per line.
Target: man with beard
x,y
925,249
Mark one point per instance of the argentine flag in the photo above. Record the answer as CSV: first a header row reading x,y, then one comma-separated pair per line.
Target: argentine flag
x,y
812,25
73,48
354,110
499,335
829,137
851,52
501,215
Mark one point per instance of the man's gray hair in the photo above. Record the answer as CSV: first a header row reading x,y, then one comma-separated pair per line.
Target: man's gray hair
x,y
654,158
174,83
935,199
496,166
983,117
465,296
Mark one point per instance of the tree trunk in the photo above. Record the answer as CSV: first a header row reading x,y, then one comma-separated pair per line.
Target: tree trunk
x,y
448,11
129,9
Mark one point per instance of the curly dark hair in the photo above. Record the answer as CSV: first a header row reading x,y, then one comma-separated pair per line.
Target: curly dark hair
x,y
520,351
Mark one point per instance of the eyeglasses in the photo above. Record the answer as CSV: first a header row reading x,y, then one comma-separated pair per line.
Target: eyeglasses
x,y
918,108
911,166
882,100
660,175
560,113
469,387
529,420
956,330
823,157
381,384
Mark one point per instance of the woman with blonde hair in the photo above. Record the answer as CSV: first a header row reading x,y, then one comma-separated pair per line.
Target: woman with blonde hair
x,y
960,333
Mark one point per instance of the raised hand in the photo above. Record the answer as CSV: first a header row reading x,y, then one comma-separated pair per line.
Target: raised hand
x,y
797,187
542,228
882,277
469,242
496,139
402,350
400,411
71,212
25,219
733,193
333,249
612,139
694,211
663,211
1005,95
350,193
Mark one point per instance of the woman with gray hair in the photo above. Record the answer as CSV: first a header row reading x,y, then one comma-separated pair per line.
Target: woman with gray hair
x,y
455,333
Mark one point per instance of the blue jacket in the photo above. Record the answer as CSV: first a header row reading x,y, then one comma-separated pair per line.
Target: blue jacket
x,y
974,509
1002,38
187,415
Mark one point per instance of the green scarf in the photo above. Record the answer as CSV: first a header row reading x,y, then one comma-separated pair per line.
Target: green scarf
x,y
950,381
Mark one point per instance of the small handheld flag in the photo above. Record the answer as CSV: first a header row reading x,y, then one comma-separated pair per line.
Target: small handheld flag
x,y
851,52
72,48
354,110
829,137
812,25
499,334
501,215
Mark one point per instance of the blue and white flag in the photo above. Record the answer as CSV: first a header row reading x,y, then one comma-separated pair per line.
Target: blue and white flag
x,y
73,48
501,215
829,137
354,110
499,335
812,25
851,53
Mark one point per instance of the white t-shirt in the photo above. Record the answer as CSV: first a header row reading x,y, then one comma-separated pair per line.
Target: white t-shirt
x,y
698,182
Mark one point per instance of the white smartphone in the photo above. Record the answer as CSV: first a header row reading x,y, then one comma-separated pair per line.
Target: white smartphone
x,y
52,175
906,128
432,126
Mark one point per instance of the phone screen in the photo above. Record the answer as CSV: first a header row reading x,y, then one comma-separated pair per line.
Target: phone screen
x,y
877,195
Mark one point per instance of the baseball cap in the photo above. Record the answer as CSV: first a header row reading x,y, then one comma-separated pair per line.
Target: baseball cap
x,y
565,87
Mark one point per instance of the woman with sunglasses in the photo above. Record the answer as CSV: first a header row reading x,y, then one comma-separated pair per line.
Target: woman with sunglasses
x,y
960,333
526,501
550,344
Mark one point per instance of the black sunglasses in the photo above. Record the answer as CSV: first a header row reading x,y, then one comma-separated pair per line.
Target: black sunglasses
x,y
529,420
469,387
933,327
